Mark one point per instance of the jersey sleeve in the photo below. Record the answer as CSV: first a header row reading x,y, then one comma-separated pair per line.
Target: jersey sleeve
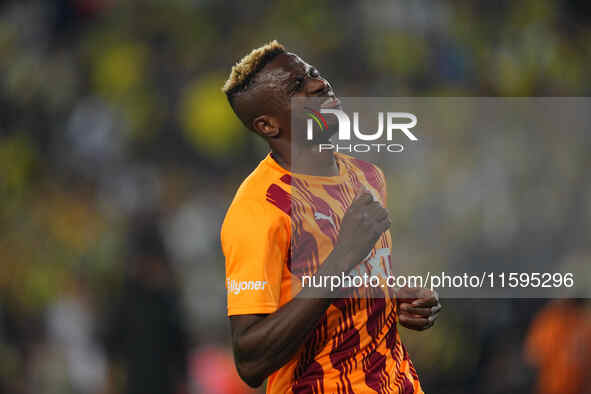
x,y
255,241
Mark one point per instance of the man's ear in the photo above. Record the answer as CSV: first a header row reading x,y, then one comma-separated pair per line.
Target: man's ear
x,y
266,125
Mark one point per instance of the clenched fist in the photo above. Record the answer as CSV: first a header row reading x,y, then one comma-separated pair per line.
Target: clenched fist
x,y
363,224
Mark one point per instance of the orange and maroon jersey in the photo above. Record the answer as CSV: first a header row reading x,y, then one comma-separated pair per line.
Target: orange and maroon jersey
x,y
281,226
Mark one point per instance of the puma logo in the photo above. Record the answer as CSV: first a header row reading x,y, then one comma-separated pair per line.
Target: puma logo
x,y
320,215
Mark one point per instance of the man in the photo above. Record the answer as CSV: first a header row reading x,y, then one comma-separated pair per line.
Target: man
x,y
326,218
558,344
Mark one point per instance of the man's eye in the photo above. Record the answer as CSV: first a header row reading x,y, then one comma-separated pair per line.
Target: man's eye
x,y
298,83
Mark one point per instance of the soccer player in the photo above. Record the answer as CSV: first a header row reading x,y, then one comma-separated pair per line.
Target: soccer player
x,y
325,219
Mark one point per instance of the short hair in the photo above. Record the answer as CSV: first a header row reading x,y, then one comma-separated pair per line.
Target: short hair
x,y
244,71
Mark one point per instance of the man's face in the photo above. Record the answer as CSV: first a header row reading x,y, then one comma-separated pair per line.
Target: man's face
x,y
288,77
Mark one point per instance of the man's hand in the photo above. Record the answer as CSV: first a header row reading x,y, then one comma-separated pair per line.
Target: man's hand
x,y
418,308
363,224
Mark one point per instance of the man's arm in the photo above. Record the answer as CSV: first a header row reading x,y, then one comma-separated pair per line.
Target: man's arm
x,y
264,343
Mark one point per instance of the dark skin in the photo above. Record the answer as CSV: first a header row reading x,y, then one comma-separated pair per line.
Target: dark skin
x,y
264,343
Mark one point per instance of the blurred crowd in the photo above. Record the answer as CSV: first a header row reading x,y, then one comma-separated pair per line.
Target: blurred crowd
x,y
119,156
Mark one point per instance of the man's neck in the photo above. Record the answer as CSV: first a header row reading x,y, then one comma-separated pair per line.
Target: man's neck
x,y
306,161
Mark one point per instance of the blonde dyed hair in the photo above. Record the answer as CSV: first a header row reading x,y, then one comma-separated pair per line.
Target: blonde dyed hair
x,y
243,71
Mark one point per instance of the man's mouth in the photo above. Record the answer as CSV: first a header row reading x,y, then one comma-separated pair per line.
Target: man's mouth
x,y
331,103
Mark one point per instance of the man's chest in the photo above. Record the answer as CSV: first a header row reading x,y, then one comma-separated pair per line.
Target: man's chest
x,y
316,218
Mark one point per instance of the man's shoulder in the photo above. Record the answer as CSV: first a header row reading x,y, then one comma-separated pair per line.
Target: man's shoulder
x,y
259,203
358,163
264,189
369,170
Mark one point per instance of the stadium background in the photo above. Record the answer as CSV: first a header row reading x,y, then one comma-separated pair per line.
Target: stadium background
x,y
119,156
